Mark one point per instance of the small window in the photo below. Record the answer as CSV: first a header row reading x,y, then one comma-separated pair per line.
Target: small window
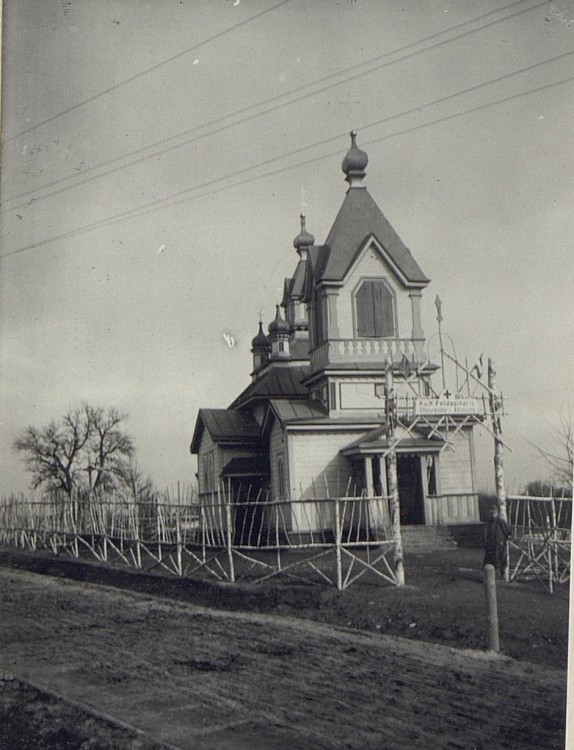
x,y
280,478
205,472
375,308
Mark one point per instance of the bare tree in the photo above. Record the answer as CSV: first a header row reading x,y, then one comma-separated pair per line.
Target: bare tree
x,y
82,450
560,458
138,484
110,446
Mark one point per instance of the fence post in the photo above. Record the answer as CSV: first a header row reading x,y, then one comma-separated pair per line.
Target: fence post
x,y
203,527
229,524
137,533
491,607
276,511
178,541
554,541
338,545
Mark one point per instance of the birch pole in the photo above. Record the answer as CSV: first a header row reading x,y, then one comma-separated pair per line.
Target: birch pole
x,y
496,411
394,503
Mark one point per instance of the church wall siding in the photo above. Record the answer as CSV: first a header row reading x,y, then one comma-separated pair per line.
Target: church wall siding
x,y
277,448
318,469
207,449
456,477
455,466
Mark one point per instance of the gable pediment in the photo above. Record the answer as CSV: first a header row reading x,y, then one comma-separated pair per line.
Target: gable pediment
x,y
372,259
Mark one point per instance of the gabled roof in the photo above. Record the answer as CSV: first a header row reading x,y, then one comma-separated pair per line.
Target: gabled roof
x,y
276,382
376,441
358,219
225,426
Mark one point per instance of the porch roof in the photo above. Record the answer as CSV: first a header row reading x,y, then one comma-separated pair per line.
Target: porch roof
x,y
376,441
251,466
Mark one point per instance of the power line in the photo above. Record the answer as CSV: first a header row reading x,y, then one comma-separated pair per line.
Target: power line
x,y
142,73
257,114
161,203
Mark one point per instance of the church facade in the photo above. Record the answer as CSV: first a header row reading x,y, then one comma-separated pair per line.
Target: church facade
x,y
313,422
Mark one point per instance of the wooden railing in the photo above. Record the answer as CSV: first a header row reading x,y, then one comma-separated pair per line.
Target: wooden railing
x,y
453,508
365,350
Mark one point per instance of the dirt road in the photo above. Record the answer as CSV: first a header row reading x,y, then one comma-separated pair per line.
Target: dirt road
x,y
206,679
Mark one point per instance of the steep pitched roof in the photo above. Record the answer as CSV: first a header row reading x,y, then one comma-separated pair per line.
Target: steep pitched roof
x,y
225,426
359,217
298,286
277,382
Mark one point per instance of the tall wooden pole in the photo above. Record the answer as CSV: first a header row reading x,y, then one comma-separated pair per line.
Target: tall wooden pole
x,y
496,411
395,508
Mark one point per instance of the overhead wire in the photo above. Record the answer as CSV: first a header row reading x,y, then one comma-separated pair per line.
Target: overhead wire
x,y
314,92
161,203
151,69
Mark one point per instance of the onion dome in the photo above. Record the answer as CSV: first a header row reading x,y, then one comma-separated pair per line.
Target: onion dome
x,y
260,341
354,162
304,238
278,325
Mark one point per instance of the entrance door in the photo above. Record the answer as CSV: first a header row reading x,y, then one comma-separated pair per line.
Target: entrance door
x,y
410,490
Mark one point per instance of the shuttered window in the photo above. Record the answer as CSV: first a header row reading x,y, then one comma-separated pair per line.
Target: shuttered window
x,y
375,308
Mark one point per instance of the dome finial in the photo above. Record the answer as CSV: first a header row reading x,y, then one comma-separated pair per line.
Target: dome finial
x,y
278,326
354,163
304,239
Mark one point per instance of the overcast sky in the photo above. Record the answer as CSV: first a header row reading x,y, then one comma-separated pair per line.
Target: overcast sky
x,y
156,157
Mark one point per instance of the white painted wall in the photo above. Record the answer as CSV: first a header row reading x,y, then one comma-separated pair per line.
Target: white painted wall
x,y
317,467
371,265
455,476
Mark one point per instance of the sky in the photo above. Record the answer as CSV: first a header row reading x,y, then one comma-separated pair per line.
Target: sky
x,y
156,157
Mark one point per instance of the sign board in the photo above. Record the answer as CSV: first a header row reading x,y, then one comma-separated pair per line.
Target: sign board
x,y
443,405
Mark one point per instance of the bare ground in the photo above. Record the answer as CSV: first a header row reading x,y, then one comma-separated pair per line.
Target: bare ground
x,y
154,670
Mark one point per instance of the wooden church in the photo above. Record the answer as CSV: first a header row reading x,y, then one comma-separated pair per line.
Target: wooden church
x,y
312,421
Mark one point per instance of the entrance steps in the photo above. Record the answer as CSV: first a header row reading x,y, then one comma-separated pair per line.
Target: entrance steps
x,y
419,539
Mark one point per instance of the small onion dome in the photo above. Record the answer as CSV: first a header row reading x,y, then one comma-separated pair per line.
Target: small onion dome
x,y
278,325
260,341
355,161
304,238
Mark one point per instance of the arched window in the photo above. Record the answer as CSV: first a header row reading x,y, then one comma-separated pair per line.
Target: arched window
x,y
375,310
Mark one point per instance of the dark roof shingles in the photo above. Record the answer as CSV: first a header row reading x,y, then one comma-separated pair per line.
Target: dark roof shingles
x,y
278,382
359,217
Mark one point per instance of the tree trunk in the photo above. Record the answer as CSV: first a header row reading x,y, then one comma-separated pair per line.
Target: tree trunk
x,y
496,410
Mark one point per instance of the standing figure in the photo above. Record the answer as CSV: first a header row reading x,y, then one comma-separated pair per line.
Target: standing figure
x,y
496,533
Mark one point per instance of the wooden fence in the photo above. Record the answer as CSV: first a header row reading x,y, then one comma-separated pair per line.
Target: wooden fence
x,y
541,540
328,540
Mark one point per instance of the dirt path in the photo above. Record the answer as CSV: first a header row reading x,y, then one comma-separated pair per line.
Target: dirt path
x,y
204,679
